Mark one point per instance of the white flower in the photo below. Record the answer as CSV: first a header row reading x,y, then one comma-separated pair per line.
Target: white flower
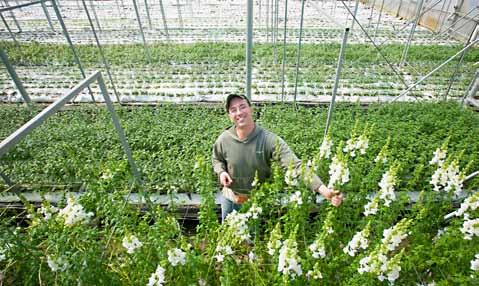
x,y
176,256
57,264
273,246
291,177
386,184
339,172
448,178
288,263
251,256
296,198
74,213
359,240
470,227
439,156
131,242
325,148
237,223
475,263
350,147
47,211
254,211
393,274
157,278
381,158
317,249
471,203
362,144
392,237
201,282
222,251
219,257
371,207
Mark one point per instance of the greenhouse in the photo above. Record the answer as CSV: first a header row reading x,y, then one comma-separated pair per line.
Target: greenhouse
x,y
226,142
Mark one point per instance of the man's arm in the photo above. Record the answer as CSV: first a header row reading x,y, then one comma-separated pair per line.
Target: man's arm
x,y
219,165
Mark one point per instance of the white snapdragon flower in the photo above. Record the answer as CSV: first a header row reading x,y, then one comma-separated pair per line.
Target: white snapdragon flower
x,y
386,184
131,242
57,263
238,224
325,148
314,274
362,144
289,261
470,227
359,240
475,263
296,198
254,211
176,256
381,157
47,211
350,147
291,177
157,278
448,178
273,246
338,171
470,203
439,157
393,236
251,256
372,207
74,213
222,251
317,249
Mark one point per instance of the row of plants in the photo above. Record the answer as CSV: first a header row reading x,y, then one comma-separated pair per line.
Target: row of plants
x,y
79,144
281,236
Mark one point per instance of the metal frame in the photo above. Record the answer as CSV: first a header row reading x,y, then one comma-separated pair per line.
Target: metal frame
x,y
14,138
14,76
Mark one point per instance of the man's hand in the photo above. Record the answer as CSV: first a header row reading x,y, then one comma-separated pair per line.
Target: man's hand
x,y
335,197
225,179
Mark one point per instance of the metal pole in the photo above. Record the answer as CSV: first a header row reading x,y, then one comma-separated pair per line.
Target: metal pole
x,y
147,51
454,23
9,30
377,48
70,43
284,48
249,47
180,18
355,13
94,14
436,69
105,62
272,21
259,13
148,14
119,130
379,20
299,52
453,77
413,29
336,81
472,89
370,15
13,17
276,28
6,179
14,76
164,20
267,21
47,15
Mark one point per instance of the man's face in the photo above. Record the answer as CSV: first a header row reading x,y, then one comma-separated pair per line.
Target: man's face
x,y
240,113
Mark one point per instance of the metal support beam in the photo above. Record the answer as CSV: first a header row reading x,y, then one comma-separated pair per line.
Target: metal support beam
x,y
119,130
411,34
249,48
8,29
472,89
147,51
180,18
70,43
47,15
9,8
14,138
105,62
356,5
13,17
298,54
92,5
14,76
162,10
283,62
336,81
148,15
6,179
434,70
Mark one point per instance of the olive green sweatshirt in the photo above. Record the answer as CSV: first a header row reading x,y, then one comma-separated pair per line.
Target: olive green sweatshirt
x,y
243,158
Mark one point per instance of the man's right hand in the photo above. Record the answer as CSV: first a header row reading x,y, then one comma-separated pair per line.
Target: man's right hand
x,y
225,179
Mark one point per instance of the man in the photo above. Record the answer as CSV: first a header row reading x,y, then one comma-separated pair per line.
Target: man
x,y
246,149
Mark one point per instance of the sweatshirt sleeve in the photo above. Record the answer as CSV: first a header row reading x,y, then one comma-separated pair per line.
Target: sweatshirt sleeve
x,y
218,160
286,158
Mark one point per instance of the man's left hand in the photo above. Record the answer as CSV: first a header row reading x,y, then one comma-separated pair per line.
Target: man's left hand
x,y
334,196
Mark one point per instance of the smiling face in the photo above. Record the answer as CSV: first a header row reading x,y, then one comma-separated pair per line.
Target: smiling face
x,y
240,113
